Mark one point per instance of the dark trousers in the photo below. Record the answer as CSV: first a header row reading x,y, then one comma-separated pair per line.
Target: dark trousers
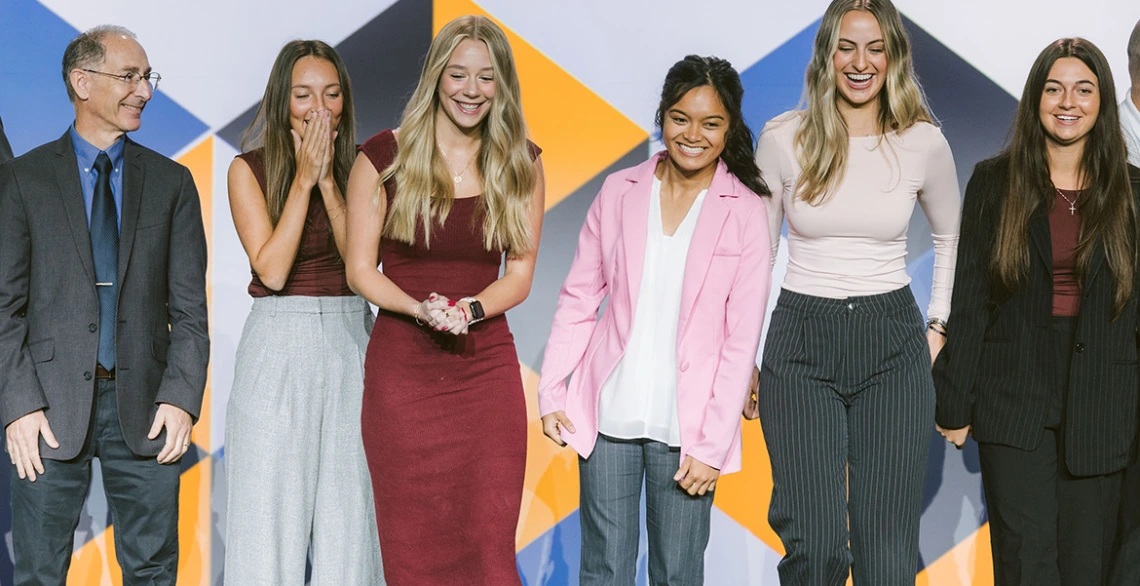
x,y
847,406
1048,527
141,493
677,524
1126,569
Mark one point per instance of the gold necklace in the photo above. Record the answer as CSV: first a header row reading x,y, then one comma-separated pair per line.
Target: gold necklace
x,y
457,178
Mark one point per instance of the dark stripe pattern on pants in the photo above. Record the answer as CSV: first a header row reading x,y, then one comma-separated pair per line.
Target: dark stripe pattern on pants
x,y
847,406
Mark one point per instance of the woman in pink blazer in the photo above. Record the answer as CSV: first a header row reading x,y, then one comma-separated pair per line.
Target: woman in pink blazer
x,y
679,246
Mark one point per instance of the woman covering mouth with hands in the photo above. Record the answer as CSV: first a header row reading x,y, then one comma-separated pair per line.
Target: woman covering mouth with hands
x,y
295,468
679,246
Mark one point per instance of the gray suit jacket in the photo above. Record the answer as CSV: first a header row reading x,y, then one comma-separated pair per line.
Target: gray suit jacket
x,y
49,310
5,148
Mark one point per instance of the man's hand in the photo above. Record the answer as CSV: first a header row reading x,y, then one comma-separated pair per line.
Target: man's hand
x,y
23,437
695,477
178,426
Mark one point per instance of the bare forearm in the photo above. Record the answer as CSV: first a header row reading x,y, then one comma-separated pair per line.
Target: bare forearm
x,y
335,207
274,260
504,294
380,291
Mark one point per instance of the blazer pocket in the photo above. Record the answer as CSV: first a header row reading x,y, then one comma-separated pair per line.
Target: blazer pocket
x,y
159,347
145,223
43,350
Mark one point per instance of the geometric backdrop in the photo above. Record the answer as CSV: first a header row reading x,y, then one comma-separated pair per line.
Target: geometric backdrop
x,y
590,73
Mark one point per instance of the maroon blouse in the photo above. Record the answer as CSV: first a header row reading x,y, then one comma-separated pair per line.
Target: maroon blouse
x,y
1064,227
318,270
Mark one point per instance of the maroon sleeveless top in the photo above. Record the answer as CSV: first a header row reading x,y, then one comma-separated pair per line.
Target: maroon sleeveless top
x,y
318,270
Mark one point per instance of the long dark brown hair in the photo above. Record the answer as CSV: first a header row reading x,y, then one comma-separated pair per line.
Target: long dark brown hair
x,y
270,126
739,153
1108,212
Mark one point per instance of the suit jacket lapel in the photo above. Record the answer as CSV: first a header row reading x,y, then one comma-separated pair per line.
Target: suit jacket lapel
x,y
706,234
71,198
1039,234
133,179
1096,262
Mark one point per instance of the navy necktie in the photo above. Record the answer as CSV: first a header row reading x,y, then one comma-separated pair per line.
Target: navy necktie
x,y
105,250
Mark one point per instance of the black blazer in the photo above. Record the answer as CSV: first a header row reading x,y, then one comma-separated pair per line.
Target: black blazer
x,y
993,372
5,148
49,310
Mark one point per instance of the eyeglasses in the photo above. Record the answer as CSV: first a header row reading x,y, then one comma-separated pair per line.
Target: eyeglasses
x,y
132,79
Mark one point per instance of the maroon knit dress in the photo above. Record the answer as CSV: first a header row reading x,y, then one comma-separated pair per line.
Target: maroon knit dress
x,y
444,417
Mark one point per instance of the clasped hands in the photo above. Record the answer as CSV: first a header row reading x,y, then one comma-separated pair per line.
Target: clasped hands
x,y
443,315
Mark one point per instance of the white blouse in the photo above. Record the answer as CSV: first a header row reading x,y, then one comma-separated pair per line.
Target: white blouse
x,y
639,399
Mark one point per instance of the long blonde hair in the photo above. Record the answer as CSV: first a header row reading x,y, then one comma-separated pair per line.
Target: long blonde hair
x,y
426,190
270,126
822,139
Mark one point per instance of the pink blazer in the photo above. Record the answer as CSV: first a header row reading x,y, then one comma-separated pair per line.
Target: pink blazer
x,y
723,298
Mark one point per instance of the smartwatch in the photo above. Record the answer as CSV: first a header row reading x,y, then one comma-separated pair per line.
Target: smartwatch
x,y
476,309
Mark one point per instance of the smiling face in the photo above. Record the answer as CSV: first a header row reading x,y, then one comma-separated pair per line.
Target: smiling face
x,y
860,60
467,85
1070,102
315,86
694,130
107,108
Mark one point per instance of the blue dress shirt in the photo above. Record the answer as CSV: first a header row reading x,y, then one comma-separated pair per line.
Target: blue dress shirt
x,y
85,154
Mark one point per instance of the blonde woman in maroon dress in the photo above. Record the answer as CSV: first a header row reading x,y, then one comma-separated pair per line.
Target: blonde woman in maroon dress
x,y
440,201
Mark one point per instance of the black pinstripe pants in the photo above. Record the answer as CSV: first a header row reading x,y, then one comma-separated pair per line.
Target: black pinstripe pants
x,y
847,405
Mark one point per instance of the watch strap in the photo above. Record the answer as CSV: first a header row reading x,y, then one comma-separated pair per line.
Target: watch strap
x,y
477,313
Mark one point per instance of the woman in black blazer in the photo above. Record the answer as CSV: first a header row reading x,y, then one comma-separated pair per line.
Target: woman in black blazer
x,y
1040,361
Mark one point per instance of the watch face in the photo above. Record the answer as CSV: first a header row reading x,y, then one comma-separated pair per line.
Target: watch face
x,y
476,310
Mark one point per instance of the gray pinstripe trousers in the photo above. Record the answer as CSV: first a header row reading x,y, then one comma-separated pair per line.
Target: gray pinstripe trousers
x,y
847,405
677,524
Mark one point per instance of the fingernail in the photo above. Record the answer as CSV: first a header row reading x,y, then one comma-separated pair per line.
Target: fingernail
x,y
450,303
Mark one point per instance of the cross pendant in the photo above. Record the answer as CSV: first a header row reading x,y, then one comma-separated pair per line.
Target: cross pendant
x,y
1072,208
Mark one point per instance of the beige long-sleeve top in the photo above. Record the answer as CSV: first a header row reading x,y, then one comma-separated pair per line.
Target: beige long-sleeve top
x,y
854,242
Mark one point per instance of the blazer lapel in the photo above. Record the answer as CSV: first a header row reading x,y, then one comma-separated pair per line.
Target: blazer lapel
x,y
133,179
635,225
1096,262
71,196
1040,236
706,234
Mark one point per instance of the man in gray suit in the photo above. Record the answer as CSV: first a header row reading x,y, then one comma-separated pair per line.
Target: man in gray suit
x,y
103,325
5,148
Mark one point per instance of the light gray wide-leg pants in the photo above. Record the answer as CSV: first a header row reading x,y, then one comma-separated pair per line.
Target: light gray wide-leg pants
x,y
295,468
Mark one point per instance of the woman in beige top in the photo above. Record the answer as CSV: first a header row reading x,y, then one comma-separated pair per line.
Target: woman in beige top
x,y
846,397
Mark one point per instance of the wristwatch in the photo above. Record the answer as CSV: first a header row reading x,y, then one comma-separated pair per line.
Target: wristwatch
x,y
476,309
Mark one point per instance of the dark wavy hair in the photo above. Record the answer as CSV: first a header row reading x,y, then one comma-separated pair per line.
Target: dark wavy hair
x,y
1108,212
739,149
